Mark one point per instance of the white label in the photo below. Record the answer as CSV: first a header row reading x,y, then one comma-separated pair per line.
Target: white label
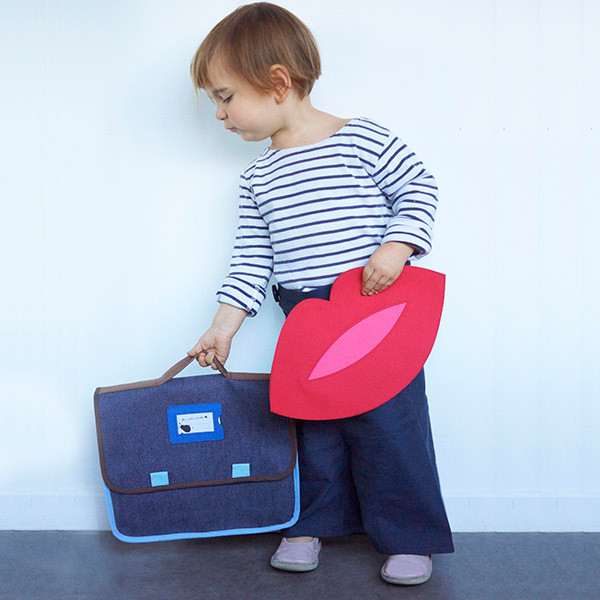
x,y
195,423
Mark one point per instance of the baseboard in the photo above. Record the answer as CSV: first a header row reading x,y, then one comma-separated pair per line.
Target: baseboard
x,y
61,511
53,511
523,513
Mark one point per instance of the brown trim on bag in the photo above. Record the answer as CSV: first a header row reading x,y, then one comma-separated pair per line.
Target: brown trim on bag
x,y
176,368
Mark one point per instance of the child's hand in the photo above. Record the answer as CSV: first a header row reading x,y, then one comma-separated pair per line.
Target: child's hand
x,y
213,342
384,266
216,341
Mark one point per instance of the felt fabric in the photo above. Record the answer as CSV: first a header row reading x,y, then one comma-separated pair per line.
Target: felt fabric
x,y
329,352
372,473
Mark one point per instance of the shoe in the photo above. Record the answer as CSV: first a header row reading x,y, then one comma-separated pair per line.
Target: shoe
x,y
297,556
407,569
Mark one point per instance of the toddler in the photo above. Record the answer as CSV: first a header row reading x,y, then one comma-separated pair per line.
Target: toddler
x,y
328,195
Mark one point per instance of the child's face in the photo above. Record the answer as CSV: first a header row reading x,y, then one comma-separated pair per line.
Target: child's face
x,y
242,108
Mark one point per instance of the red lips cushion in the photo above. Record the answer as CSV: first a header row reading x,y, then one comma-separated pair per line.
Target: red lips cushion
x,y
347,355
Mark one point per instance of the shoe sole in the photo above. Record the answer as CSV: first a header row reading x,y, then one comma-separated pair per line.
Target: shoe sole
x,y
298,567
406,580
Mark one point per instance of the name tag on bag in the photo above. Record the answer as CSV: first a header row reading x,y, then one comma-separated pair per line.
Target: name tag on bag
x,y
194,423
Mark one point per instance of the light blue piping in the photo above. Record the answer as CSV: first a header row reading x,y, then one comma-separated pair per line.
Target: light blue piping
x,y
181,536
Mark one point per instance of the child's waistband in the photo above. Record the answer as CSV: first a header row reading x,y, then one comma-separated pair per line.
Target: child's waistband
x,y
280,292
290,295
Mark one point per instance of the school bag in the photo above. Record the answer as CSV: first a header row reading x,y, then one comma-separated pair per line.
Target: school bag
x,y
196,456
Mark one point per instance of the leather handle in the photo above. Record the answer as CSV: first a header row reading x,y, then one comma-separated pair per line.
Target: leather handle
x,y
224,371
183,363
232,375
177,368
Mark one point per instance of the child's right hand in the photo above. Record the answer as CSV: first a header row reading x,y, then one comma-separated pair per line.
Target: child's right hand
x,y
212,343
217,340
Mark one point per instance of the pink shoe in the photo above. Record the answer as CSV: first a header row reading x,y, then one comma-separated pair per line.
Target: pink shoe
x,y
407,569
297,556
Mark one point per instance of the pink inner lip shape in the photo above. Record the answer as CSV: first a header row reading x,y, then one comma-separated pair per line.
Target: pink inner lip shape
x,y
357,341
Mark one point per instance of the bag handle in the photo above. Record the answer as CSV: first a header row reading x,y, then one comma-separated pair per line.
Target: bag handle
x,y
184,362
177,368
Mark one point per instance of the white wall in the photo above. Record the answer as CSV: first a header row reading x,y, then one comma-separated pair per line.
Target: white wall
x,y
119,207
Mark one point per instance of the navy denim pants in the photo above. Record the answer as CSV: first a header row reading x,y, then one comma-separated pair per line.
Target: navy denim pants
x,y
373,473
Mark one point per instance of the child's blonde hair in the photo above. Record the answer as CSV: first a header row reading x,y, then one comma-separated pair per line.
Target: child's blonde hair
x,y
251,39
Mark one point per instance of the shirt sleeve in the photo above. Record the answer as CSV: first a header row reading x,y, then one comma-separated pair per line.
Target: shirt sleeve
x,y
251,263
412,194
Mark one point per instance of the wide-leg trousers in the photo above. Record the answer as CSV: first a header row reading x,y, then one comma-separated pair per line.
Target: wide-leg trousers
x,y
373,473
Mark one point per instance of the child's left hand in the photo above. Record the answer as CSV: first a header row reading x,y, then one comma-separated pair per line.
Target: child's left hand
x,y
384,266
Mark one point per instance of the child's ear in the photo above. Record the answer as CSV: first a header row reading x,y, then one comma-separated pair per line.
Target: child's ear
x,y
282,80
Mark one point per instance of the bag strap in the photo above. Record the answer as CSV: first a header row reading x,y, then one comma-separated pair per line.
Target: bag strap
x,y
237,375
177,368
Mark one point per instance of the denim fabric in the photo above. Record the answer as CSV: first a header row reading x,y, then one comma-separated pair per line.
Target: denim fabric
x,y
136,444
373,473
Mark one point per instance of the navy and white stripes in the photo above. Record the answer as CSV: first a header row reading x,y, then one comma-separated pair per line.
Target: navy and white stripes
x,y
310,213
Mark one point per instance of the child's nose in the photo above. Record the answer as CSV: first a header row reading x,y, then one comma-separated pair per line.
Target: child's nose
x,y
221,114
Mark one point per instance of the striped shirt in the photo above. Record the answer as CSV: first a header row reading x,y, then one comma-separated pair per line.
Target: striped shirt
x,y
308,214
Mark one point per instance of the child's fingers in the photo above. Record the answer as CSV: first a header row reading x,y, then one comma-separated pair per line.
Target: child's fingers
x,y
197,349
205,353
202,357
210,354
366,280
373,283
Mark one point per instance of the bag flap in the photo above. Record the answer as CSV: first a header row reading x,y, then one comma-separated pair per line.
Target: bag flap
x,y
203,430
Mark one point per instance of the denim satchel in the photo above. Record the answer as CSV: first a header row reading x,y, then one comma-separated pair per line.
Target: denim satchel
x,y
200,456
